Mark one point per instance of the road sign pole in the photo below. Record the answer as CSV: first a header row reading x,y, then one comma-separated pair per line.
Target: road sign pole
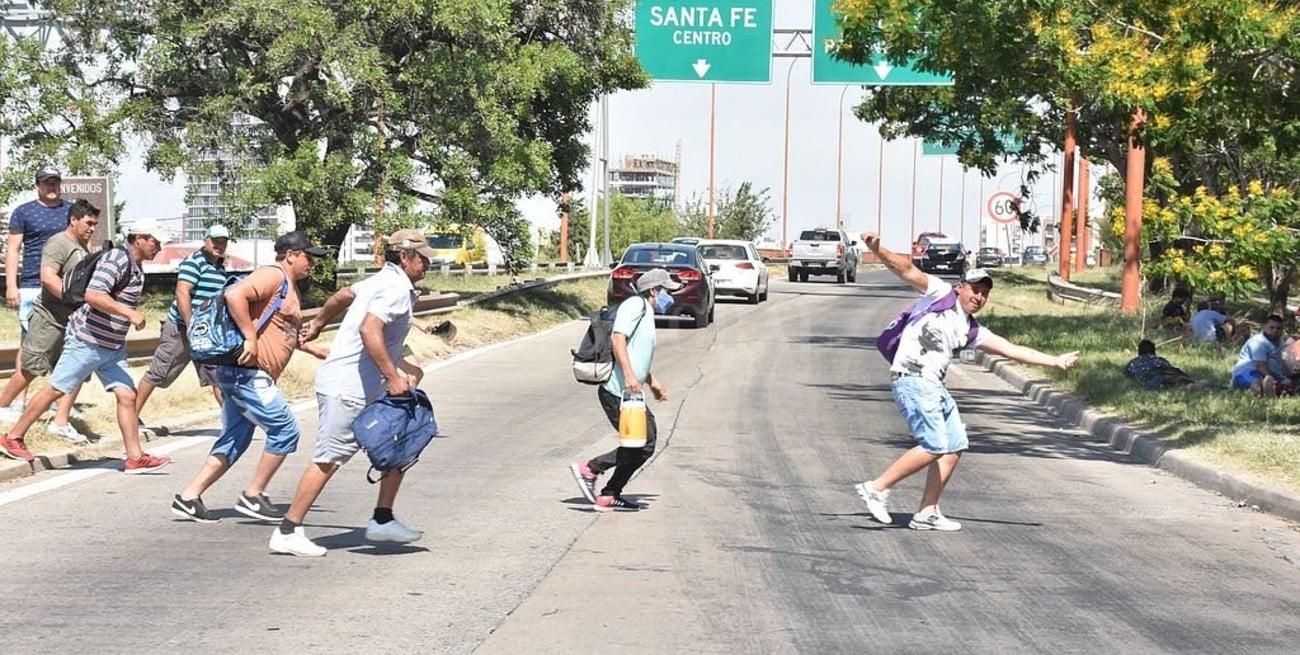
x,y
916,156
713,119
785,163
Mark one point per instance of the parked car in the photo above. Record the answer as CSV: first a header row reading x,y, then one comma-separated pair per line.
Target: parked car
x,y
695,299
944,257
737,268
989,257
824,252
1034,256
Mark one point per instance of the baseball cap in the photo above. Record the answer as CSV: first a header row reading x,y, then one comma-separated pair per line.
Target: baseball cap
x,y
656,277
47,172
977,275
411,239
298,240
148,227
216,231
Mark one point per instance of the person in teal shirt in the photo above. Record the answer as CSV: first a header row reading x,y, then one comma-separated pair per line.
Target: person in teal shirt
x,y
634,350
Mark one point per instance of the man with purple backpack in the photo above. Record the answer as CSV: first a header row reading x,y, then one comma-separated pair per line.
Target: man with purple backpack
x,y
919,345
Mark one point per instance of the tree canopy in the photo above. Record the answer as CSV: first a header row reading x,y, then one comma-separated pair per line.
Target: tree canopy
x,y
359,108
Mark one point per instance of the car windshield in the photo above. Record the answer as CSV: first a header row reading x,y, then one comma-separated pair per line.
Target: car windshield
x,y
724,252
442,241
660,256
1033,250
818,235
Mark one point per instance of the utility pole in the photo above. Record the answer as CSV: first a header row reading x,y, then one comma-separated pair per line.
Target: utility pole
x,y
1134,181
606,255
591,259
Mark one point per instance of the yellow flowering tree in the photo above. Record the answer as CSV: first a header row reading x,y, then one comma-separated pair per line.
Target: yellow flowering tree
x,y
1239,242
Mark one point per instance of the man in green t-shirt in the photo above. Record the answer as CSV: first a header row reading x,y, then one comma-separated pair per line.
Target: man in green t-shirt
x,y
43,341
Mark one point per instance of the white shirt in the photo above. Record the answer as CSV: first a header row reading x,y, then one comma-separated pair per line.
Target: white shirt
x,y
1205,324
925,348
349,371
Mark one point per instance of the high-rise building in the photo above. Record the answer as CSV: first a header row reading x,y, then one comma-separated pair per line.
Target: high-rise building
x,y
645,176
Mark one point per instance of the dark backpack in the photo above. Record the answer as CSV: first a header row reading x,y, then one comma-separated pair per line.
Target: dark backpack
x,y
593,360
213,336
394,430
77,278
888,340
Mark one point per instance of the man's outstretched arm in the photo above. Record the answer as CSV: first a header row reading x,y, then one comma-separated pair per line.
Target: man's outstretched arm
x,y
900,265
997,345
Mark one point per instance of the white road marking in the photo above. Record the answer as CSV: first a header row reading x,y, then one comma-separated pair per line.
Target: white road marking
x,y
61,480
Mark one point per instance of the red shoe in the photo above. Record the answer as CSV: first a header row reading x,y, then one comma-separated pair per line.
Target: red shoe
x,y
16,449
145,463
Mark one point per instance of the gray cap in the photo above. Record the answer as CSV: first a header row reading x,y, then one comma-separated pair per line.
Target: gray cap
x,y
656,277
977,275
47,172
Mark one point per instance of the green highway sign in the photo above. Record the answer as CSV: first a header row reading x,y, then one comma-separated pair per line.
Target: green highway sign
x,y
705,41
1010,144
826,69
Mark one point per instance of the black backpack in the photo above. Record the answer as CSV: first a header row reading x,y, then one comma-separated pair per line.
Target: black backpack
x,y
77,278
593,360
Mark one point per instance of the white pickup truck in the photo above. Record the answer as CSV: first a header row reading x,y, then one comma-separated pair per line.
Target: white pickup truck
x,y
824,252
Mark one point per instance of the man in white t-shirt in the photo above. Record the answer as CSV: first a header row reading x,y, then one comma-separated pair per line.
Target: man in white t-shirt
x,y
365,360
917,373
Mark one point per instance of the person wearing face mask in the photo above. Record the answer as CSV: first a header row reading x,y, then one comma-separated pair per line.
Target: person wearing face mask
x,y
634,348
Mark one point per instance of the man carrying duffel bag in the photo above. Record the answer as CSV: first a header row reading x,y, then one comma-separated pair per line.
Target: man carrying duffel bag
x,y
364,363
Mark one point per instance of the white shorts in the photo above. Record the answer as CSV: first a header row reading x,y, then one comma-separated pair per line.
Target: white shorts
x,y
335,442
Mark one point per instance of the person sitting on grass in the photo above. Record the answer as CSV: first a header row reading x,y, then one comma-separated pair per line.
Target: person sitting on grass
x,y
1153,371
1259,364
1210,323
1174,315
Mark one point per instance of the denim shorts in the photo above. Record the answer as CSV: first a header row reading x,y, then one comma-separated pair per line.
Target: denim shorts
x,y
80,359
931,414
1244,379
251,400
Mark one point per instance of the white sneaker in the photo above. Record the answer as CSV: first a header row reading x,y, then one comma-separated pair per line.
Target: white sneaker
x,y
877,502
935,521
392,531
67,432
295,543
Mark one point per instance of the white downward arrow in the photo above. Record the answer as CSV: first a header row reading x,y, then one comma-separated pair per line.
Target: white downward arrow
x,y
882,68
701,67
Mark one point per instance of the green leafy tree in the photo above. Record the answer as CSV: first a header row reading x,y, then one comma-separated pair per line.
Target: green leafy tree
x,y
742,214
631,220
460,106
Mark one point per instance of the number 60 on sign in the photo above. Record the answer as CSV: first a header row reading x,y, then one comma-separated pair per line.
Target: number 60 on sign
x,y
1004,207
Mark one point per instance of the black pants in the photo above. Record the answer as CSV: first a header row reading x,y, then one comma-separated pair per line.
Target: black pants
x,y
624,461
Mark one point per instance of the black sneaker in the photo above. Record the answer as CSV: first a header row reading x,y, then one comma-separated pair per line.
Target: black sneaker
x,y
616,504
258,507
193,510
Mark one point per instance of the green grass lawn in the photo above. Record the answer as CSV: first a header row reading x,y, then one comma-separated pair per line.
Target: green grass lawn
x,y
1255,436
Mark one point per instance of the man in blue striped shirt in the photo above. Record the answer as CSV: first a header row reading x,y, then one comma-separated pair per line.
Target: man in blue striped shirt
x,y
96,343
199,277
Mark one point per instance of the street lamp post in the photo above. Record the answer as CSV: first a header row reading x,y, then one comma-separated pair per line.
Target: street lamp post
x,y
785,166
839,164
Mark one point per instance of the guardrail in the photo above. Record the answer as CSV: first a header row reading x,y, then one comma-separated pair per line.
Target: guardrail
x,y
1060,290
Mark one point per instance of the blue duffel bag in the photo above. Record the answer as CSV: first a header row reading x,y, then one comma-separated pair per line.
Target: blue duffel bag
x,y
394,430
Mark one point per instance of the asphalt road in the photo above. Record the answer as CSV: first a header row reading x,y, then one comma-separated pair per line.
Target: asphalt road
x,y
754,541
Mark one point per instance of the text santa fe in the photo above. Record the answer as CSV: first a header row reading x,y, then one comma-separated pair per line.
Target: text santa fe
x,y
705,20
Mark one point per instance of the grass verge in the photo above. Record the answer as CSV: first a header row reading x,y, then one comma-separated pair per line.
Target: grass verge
x,y
1256,437
495,321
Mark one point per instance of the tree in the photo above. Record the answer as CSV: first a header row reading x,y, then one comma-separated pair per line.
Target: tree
x,y
742,214
631,220
462,105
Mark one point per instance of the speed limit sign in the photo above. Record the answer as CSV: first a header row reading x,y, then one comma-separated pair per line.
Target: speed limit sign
x,y
1004,207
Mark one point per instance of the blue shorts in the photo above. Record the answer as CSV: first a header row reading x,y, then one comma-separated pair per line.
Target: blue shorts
x,y
1244,379
250,399
931,414
80,359
27,297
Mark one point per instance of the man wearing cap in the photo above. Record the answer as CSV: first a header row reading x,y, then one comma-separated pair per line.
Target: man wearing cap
x,y
250,398
634,348
364,362
30,226
200,276
917,375
95,342
43,340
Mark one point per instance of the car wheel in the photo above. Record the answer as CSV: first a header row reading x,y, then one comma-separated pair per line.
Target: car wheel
x,y
794,275
762,297
853,275
839,277
752,298
803,277
701,321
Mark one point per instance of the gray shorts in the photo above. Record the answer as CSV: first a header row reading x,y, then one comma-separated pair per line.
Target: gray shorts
x,y
42,344
335,442
170,358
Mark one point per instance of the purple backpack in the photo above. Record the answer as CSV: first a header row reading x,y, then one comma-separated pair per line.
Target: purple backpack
x,y
888,340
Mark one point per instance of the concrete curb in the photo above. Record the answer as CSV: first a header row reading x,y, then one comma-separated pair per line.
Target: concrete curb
x,y
1141,447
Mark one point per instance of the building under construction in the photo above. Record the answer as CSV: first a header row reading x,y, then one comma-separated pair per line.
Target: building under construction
x,y
646,176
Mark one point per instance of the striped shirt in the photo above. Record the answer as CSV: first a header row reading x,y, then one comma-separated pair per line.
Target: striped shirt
x,y
208,280
101,328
